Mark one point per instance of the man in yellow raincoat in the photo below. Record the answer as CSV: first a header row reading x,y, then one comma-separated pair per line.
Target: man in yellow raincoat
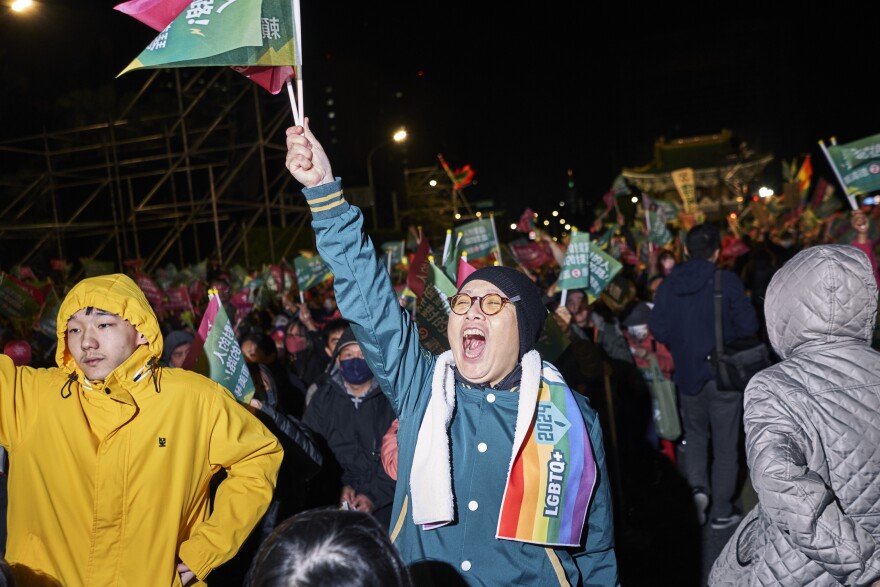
x,y
111,455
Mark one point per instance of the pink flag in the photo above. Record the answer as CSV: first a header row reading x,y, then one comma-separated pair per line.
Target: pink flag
x,y
158,14
418,269
464,269
526,222
151,289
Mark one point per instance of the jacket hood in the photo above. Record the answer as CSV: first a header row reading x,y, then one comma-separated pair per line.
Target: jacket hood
x,y
826,294
690,277
115,293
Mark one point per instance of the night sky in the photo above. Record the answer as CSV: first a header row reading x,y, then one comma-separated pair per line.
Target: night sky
x,y
520,95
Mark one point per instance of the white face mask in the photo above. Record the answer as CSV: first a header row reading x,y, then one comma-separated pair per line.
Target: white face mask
x,y
639,331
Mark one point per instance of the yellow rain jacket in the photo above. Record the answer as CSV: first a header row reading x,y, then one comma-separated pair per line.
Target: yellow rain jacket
x,y
109,481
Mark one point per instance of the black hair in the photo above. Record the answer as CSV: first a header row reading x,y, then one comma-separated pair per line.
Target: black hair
x,y
264,342
328,546
702,241
332,326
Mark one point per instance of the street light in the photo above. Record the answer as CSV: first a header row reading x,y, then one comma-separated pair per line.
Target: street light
x,y
398,137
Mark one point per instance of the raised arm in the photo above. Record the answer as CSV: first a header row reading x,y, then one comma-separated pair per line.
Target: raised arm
x,y
363,288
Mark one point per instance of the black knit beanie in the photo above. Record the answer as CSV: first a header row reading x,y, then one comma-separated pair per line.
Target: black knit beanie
x,y
530,309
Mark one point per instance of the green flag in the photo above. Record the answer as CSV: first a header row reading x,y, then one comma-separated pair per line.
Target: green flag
x,y
658,233
49,315
858,164
587,266
432,315
478,239
450,264
397,250
310,271
235,33
217,354
15,302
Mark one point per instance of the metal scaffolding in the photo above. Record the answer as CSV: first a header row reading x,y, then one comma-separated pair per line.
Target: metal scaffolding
x,y
188,169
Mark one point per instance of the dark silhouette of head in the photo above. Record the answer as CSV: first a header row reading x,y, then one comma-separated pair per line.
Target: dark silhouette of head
x,y
328,546
702,241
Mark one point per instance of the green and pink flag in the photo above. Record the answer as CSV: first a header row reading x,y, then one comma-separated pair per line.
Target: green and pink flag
x,y
215,352
260,39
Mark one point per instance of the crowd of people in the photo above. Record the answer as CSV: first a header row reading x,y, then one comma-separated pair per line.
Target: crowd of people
x,y
364,459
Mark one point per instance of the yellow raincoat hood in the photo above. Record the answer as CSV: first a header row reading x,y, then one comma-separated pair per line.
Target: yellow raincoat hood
x,y
115,293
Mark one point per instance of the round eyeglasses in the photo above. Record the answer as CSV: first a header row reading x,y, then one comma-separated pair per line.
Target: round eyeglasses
x,y
490,304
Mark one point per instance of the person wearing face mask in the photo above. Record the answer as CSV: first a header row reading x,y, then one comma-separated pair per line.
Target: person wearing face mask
x,y
303,354
501,466
349,417
643,346
642,343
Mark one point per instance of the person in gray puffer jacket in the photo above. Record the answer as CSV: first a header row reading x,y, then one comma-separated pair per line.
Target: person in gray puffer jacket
x,y
812,425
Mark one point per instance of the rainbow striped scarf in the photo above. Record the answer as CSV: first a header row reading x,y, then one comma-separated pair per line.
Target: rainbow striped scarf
x,y
552,472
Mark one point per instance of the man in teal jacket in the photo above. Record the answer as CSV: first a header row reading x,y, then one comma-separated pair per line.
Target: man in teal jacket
x,y
501,468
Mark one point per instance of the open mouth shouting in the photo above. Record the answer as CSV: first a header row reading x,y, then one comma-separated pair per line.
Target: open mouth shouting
x,y
473,343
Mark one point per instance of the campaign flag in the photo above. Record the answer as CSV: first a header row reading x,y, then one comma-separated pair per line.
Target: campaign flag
x,y
605,240
216,353
819,192
450,262
586,266
684,183
857,164
668,209
151,289
177,300
158,14
15,301
464,269
418,269
257,38
531,254
35,290
432,315
461,177
310,271
526,222
48,319
657,231
397,249
477,238
619,187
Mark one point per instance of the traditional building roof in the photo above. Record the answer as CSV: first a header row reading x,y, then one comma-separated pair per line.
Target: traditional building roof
x,y
718,161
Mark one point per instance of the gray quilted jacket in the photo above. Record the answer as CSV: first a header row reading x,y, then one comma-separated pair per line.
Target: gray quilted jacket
x,y
812,427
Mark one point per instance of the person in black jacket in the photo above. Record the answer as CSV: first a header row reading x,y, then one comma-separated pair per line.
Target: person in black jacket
x,y
683,318
302,461
349,416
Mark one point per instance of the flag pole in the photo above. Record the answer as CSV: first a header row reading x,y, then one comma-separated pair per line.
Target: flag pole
x,y
296,119
849,196
497,244
446,246
298,57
